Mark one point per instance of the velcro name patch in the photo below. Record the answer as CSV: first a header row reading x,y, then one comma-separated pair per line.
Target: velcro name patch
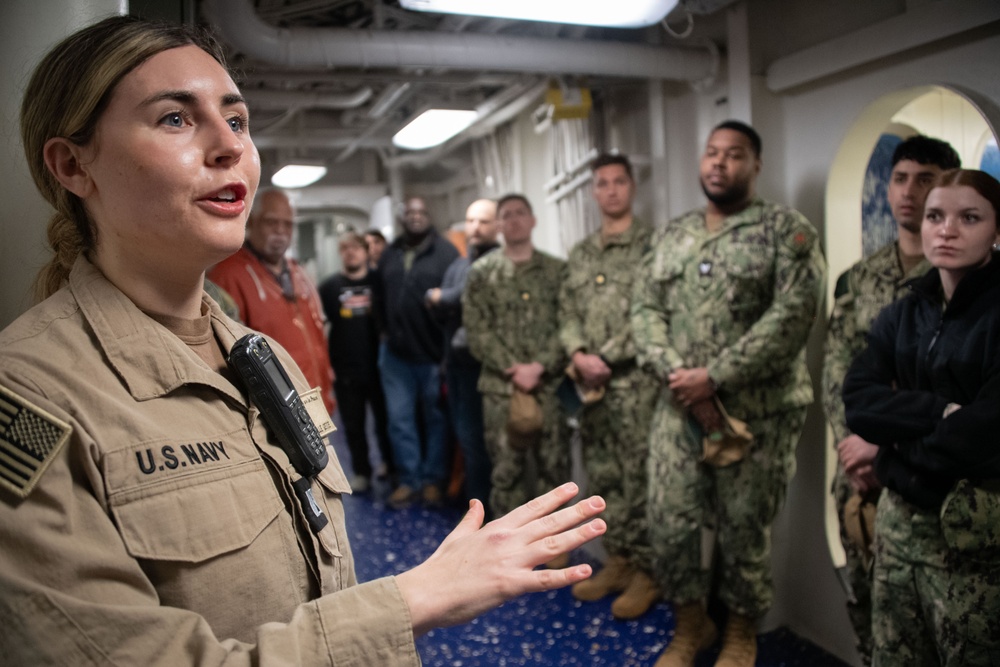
x,y
313,403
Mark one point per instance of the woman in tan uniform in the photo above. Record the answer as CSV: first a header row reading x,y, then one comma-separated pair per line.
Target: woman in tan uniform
x,y
147,516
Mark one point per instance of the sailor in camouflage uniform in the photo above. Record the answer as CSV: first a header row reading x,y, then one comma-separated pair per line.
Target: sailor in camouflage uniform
x,y
594,313
925,390
723,307
510,314
862,291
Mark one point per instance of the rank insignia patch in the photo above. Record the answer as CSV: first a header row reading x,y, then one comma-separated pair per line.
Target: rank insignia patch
x,y
29,440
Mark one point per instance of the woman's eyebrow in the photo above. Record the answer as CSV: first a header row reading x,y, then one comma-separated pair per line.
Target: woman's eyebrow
x,y
188,97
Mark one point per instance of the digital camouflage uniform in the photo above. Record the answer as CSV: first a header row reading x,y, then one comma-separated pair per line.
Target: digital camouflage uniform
x,y
510,314
739,302
862,291
938,605
594,316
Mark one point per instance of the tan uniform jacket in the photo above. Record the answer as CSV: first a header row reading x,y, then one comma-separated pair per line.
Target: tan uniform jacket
x,y
164,530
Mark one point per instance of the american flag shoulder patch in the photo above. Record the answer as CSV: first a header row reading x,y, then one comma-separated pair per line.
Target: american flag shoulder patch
x,y
30,438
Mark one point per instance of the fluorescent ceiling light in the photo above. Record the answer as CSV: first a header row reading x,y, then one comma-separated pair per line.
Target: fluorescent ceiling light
x,y
619,14
433,127
298,175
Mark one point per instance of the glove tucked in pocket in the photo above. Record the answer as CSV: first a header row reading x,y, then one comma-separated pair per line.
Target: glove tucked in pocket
x,y
970,519
525,421
859,524
728,442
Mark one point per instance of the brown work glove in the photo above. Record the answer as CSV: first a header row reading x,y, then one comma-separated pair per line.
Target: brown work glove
x,y
725,440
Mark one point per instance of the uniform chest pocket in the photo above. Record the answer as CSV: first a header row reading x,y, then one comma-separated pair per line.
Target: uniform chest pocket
x,y
665,269
748,261
197,517
578,281
749,279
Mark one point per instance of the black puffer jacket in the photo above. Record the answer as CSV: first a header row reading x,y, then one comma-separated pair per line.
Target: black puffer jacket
x,y
920,358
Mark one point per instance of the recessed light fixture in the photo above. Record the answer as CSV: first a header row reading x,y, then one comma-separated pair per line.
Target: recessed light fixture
x,y
298,175
619,14
433,127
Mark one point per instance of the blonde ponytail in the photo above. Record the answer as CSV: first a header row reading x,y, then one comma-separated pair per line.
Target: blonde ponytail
x,y
67,243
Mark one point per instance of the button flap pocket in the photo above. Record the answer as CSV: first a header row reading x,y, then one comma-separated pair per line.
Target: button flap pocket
x,y
198,517
333,477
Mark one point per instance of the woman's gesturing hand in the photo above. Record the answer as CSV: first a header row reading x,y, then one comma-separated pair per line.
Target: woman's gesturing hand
x,y
479,567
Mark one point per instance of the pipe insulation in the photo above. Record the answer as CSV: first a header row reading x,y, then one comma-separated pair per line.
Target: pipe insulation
x,y
244,30
283,99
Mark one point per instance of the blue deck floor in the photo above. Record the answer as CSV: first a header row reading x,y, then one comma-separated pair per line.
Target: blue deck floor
x,y
542,629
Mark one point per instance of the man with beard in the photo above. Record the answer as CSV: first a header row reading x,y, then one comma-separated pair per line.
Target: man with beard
x,y
465,403
348,301
273,293
862,292
411,355
614,430
721,314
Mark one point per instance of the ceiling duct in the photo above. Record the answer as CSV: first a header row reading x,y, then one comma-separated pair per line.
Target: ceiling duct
x,y
284,99
240,26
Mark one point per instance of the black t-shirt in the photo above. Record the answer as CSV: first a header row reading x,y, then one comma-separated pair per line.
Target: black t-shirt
x,y
353,332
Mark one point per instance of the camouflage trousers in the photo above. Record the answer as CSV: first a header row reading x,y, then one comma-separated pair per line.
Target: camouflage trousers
x,y
548,459
739,502
614,433
859,603
931,606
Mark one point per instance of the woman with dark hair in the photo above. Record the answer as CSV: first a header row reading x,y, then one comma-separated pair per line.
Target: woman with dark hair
x,y
927,393
147,512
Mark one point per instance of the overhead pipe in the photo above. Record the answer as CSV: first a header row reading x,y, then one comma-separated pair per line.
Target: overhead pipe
x,y
284,99
243,29
317,140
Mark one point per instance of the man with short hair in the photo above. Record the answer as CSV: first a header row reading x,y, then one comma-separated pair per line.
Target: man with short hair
x,y
465,403
411,354
376,246
273,293
722,311
597,338
511,318
348,299
861,293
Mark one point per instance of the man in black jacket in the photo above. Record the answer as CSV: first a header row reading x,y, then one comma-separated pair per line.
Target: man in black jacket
x,y
411,354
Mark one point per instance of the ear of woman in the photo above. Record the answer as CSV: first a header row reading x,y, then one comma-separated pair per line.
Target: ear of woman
x,y
64,159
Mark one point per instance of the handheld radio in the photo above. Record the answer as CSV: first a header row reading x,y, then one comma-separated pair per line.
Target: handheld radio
x,y
253,360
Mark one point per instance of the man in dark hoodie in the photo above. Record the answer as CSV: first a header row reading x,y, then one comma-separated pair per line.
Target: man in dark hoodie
x,y
411,354
465,403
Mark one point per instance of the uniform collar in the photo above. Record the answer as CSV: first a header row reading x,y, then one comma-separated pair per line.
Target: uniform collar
x,y
637,227
150,360
749,215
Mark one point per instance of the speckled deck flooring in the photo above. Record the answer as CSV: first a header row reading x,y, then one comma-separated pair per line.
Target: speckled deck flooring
x,y
538,630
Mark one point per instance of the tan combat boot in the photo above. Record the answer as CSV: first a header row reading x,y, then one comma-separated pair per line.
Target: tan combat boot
x,y
739,643
640,594
613,577
695,632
